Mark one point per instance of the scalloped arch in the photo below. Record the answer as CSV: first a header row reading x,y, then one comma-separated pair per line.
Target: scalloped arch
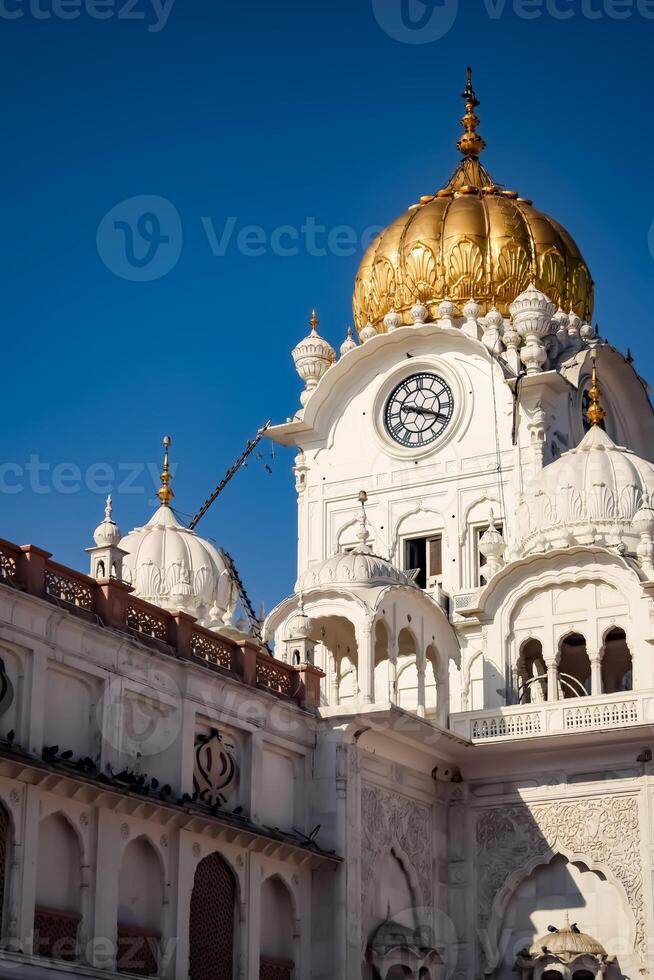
x,y
516,878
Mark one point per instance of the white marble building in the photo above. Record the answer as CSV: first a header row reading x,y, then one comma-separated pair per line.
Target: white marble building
x,y
445,771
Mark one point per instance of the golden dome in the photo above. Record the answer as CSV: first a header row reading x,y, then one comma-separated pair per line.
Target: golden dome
x,y
471,240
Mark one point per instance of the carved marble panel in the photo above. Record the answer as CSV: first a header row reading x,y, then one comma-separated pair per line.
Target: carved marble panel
x,y
603,832
389,819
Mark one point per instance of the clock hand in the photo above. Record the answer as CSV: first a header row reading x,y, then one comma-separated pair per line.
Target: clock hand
x,y
423,411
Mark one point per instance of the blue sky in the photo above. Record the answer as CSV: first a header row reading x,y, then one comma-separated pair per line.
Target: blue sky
x,y
268,115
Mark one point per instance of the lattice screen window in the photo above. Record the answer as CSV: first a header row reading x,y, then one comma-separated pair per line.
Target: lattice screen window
x,y
213,904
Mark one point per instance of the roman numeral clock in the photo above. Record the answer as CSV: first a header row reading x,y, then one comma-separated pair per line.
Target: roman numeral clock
x,y
418,410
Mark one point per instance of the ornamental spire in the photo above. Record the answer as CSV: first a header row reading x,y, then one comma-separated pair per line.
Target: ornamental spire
x,y
471,143
595,413
165,493
314,321
362,533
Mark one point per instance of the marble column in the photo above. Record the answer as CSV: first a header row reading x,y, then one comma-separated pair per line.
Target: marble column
x,y
596,674
365,663
552,680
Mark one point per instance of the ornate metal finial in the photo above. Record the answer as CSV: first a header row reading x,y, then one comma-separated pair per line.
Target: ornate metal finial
x,y
595,413
314,321
108,510
165,493
471,143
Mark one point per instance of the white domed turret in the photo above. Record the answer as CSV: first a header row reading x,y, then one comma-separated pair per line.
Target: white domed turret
x,y
356,567
588,496
348,344
313,356
106,555
107,533
171,566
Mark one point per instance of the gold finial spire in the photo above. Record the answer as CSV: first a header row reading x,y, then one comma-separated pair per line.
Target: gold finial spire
x,y
595,413
471,143
314,321
165,493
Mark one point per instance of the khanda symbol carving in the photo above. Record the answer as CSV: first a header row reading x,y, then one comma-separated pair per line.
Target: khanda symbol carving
x,y
215,772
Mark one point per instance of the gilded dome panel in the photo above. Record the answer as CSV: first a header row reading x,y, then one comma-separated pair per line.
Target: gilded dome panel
x,y
426,225
421,274
465,269
465,218
507,225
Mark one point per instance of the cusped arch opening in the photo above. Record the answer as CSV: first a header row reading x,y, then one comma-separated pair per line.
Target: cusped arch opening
x,y
140,906
277,950
57,912
551,893
532,673
617,662
574,667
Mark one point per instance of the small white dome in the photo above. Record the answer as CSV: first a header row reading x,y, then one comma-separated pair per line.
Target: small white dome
x,y
348,344
299,626
108,533
313,356
588,496
169,565
357,567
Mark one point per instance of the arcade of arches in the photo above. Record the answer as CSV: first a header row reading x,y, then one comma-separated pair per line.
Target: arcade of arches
x,y
573,671
213,931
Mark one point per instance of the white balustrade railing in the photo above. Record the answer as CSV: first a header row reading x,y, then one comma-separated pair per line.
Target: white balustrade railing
x,y
556,717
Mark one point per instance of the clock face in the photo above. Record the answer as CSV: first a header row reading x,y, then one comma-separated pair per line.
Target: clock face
x,y
419,410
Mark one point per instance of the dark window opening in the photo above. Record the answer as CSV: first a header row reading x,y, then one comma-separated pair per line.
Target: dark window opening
x,y
425,555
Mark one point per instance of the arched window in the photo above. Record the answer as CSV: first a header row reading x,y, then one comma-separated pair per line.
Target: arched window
x,y
583,975
277,954
574,667
213,908
383,672
140,901
57,907
532,673
617,665
407,670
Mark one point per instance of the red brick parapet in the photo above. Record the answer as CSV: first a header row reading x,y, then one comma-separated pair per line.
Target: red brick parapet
x,y
112,604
